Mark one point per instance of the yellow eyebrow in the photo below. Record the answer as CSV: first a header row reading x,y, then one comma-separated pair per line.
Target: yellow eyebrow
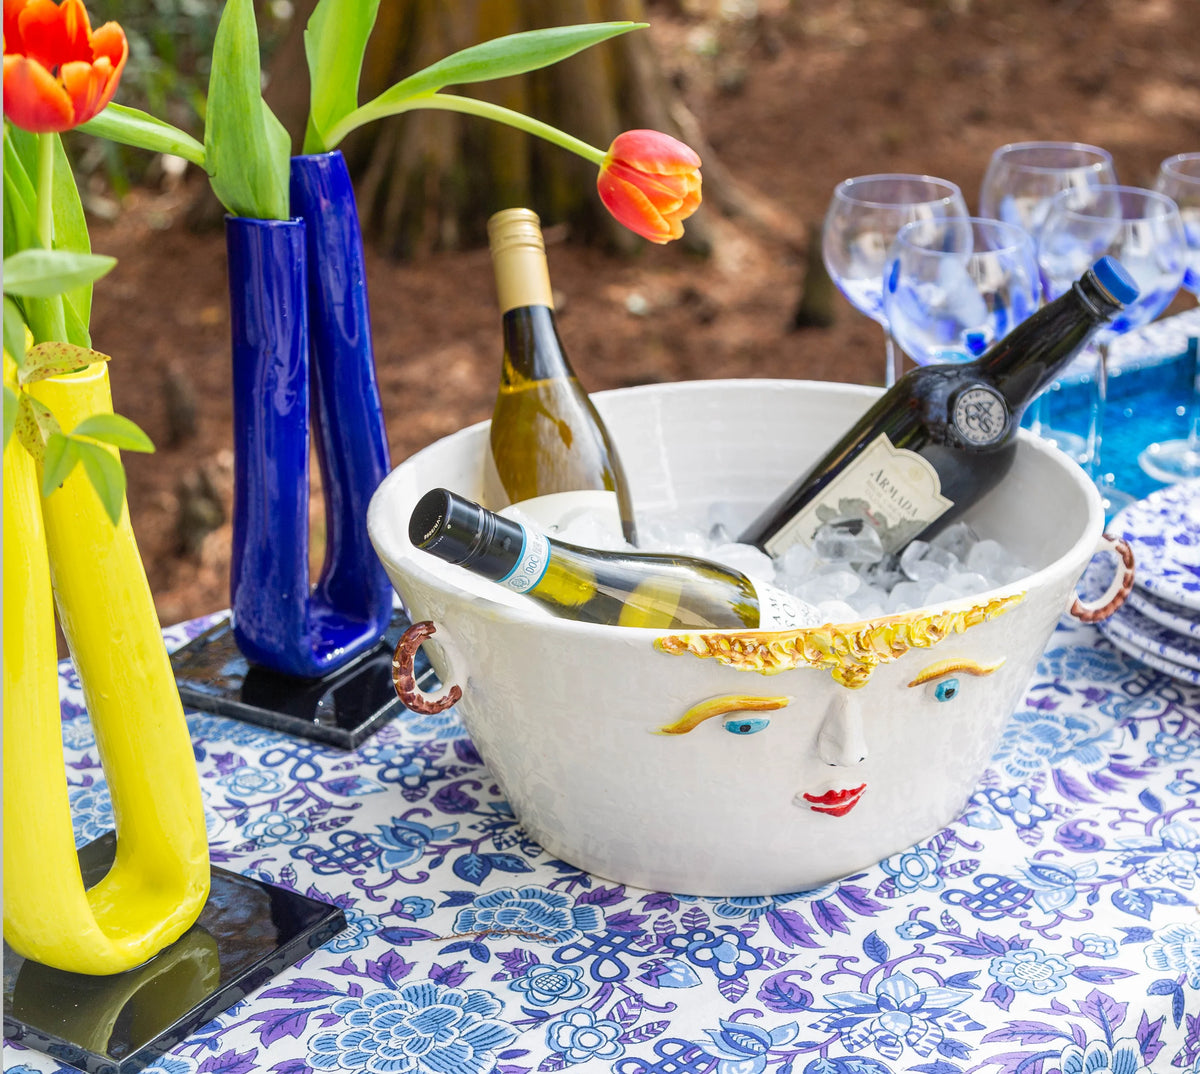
x,y
944,667
718,706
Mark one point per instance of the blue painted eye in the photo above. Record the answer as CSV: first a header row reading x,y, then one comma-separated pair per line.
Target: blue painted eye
x,y
745,725
947,690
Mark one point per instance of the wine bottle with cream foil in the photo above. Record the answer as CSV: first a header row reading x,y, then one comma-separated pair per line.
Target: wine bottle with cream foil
x,y
633,589
550,449
945,434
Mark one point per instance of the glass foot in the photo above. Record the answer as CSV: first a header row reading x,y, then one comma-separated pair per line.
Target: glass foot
x,y
1068,443
1114,501
1171,461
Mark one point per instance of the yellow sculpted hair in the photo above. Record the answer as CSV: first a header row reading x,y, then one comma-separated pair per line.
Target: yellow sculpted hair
x,y
851,651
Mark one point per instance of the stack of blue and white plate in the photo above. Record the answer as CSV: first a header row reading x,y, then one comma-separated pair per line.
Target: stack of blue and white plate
x,y
1160,622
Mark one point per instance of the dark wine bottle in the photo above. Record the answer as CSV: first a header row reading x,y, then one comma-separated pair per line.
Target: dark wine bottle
x,y
547,440
636,589
944,434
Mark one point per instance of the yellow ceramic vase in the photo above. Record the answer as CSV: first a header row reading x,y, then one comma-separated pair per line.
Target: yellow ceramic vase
x,y
158,884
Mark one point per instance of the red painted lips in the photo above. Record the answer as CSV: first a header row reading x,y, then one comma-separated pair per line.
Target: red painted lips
x,y
836,803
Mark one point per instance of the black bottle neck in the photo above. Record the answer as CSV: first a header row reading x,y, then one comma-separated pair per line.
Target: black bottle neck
x,y
459,531
1032,355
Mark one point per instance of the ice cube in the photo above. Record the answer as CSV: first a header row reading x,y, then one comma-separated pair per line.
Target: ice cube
x,y
848,540
958,538
745,558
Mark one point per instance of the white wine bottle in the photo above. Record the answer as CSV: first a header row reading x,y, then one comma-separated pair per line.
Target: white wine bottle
x,y
550,449
633,589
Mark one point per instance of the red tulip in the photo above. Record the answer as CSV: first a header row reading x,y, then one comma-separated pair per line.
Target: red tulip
x,y
57,72
651,183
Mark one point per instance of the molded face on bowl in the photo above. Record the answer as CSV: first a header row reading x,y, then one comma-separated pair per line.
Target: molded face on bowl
x,y
738,762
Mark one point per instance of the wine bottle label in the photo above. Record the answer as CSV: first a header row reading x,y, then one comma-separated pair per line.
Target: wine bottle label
x,y
531,563
556,511
894,489
980,415
779,610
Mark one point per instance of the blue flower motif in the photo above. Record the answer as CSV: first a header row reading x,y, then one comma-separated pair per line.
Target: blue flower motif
x,y
1124,1057
1082,661
78,734
899,1012
1173,857
1176,948
747,906
91,808
220,728
535,911
1055,886
274,828
742,1047
1095,945
544,985
421,1028
404,841
726,952
1018,803
914,869
915,929
358,931
579,1035
247,780
444,726
1029,969
415,907
1042,739
1172,748
399,764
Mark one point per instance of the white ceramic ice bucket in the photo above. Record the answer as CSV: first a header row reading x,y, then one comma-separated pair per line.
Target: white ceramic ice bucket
x,y
737,763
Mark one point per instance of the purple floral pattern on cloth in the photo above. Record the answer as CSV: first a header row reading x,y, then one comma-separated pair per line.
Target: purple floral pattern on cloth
x,y
1053,928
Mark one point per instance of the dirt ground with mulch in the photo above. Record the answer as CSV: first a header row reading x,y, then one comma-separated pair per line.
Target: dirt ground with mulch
x,y
791,98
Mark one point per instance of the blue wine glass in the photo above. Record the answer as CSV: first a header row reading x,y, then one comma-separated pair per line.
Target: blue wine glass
x,y
1179,179
1144,231
864,215
953,287
1021,180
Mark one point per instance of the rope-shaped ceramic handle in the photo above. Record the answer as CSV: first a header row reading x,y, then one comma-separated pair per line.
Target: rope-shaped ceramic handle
x,y
404,677
1092,611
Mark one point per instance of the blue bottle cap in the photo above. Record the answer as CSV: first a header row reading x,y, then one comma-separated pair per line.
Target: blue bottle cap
x,y
1115,279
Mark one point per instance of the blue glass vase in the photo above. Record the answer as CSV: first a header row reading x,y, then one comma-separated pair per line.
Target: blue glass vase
x,y
302,355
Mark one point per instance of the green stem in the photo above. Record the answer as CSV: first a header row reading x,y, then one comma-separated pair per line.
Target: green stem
x,y
45,191
46,318
469,106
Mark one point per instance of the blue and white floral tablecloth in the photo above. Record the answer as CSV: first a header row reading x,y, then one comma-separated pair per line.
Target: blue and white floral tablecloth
x,y
1054,927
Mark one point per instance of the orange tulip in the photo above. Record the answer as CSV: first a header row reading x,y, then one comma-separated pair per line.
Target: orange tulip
x,y
651,183
57,72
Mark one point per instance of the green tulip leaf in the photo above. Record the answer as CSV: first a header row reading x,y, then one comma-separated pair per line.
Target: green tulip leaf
x,y
11,404
106,474
335,41
34,425
14,331
131,126
70,228
513,54
53,359
116,430
20,224
247,149
46,273
62,453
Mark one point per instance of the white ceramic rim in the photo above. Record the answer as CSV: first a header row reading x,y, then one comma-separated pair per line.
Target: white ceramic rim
x,y
391,549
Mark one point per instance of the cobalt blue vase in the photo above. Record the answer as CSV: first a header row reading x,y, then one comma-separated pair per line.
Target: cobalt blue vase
x,y
302,357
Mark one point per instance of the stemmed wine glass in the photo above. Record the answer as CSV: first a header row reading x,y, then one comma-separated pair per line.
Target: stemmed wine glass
x,y
862,220
1143,230
1179,179
1021,180
953,287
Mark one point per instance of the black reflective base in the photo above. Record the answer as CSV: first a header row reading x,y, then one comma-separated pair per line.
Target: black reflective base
x,y
341,709
247,933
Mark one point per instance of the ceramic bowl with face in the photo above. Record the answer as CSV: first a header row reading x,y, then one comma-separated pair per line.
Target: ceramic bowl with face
x,y
738,762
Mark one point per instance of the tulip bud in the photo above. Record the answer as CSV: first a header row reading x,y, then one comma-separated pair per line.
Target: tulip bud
x,y
651,183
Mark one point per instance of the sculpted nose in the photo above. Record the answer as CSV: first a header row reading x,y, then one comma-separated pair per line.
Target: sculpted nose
x,y
841,740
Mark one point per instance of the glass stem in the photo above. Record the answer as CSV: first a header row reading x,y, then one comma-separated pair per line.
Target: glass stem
x,y
1193,359
893,359
1096,425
